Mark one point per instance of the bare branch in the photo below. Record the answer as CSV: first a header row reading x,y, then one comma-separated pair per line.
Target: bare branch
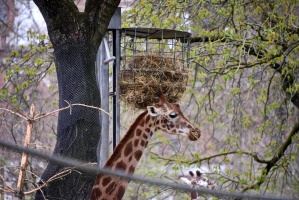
x,y
14,113
70,106
253,155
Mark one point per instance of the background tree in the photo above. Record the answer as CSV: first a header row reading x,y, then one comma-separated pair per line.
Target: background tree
x,y
25,77
8,14
244,89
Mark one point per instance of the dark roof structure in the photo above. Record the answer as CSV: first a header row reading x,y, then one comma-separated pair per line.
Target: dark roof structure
x,y
155,33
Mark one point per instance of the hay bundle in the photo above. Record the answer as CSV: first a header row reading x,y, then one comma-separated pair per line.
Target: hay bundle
x,y
149,72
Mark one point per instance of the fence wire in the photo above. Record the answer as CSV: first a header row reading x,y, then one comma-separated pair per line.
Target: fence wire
x,y
84,167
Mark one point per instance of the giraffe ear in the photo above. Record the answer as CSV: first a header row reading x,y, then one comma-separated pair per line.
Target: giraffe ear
x,y
152,110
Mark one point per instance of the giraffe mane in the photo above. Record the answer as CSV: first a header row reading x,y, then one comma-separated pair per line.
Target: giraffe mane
x,y
125,139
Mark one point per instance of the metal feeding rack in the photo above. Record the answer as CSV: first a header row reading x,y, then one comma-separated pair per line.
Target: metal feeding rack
x,y
153,59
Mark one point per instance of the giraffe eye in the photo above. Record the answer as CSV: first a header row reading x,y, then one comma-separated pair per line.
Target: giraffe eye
x,y
173,115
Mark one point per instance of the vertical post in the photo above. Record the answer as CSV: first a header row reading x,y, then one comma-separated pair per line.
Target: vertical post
x,y
187,49
115,100
115,27
103,77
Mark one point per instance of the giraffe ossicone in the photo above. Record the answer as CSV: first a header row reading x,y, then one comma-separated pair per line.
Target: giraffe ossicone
x,y
163,116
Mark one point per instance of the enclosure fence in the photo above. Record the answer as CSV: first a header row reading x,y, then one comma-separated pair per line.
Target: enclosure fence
x,y
84,167
90,168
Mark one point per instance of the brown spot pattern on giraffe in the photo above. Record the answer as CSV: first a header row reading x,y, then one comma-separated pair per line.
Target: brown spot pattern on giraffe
x,y
106,180
138,155
110,187
121,165
138,132
130,158
128,149
120,192
96,193
141,122
131,169
142,143
147,119
145,136
136,142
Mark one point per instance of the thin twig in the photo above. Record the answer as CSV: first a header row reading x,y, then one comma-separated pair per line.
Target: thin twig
x,y
70,106
14,113
55,111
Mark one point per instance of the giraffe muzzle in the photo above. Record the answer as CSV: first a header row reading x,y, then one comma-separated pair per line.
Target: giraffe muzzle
x,y
194,135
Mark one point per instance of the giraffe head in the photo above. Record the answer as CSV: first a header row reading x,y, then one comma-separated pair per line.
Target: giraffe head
x,y
197,180
170,119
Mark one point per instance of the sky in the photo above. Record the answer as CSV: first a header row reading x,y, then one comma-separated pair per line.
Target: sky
x,y
29,18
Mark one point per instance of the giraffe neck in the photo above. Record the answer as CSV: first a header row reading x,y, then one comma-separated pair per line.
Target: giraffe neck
x,y
125,157
194,195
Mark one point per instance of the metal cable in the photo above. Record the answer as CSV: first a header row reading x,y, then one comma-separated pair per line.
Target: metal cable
x,y
67,162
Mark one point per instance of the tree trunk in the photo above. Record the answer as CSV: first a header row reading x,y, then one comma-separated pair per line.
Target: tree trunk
x,y
78,128
75,37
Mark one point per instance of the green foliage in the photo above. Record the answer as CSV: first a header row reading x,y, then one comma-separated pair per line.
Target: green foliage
x,y
28,77
24,70
244,86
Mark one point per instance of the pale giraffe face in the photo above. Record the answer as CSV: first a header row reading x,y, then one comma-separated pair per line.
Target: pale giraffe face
x,y
169,118
197,180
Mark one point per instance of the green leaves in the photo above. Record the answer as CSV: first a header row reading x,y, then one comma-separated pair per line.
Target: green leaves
x,y
243,83
235,91
24,70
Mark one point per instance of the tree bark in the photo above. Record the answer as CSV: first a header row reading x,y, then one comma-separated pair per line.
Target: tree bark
x,y
76,38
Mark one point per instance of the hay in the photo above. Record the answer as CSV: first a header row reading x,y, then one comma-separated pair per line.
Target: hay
x,y
146,74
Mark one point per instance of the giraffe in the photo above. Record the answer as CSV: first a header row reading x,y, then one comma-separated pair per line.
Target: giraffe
x,y
197,180
163,116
